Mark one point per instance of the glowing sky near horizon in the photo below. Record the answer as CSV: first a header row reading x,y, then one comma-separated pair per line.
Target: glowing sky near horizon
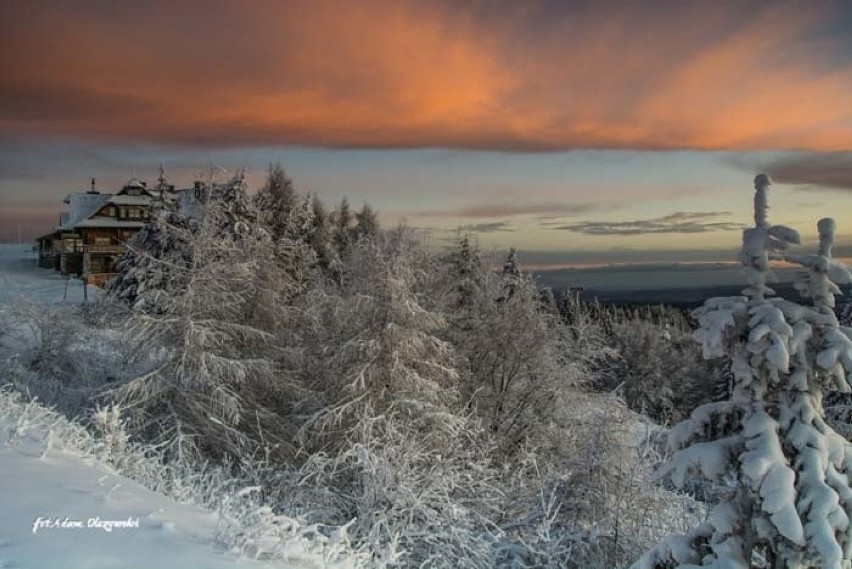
x,y
577,131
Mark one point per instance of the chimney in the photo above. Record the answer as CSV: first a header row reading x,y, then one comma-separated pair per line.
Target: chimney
x,y
93,190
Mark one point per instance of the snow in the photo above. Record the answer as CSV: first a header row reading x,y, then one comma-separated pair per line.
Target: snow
x,y
81,206
110,222
57,484
47,481
123,199
60,485
20,275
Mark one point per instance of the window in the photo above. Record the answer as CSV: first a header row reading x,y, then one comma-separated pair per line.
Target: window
x,y
132,212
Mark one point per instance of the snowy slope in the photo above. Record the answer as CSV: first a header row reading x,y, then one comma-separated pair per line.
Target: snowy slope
x,y
21,276
60,485
45,472
56,484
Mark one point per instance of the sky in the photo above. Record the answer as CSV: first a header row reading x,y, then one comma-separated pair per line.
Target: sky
x,y
580,132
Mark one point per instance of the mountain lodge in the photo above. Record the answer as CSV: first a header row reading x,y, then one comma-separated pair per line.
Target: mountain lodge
x,y
92,234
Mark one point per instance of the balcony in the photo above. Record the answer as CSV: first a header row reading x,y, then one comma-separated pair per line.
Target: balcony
x,y
113,249
100,279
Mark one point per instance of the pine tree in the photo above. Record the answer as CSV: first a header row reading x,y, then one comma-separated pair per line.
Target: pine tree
x,y
151,267
213,380
321,241
276,202
366,222
465,274
790,500
341,221
376,351
512,275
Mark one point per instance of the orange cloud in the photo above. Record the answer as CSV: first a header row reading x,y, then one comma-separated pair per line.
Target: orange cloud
x,y
513,76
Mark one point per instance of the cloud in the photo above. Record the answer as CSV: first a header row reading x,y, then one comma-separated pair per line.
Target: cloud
x,y
493,227
485,210
827,170
680,222
541,259
517,76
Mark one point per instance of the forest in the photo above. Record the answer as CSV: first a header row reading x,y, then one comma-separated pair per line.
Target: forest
x,y
400,403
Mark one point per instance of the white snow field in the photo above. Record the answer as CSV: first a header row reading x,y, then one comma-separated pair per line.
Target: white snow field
x,y
20,275
58,485
47,482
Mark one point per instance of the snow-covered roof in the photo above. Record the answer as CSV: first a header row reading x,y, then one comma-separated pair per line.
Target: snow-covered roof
x,y
109,222
130,200
81,206
133,183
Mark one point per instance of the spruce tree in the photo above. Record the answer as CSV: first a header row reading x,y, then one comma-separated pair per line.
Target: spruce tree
x,y
321,241
512,275
150,268
366,222
341,220
784,472
276,201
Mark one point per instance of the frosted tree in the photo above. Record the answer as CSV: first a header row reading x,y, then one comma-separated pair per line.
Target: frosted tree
x,y
821,359
232,207
366,222
782,472
462,278
509,348
212,378
321,240
342,221
512,275
374,347
151,266
276,201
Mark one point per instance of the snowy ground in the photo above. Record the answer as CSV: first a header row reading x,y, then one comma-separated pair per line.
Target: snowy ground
x,y
60,484
20,275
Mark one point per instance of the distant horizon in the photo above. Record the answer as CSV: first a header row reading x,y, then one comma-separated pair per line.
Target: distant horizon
x,y
726,272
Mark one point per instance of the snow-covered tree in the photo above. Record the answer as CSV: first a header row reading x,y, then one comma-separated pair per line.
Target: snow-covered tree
x,y
372,349
461,286
366,222
321,240
342,222
784,473
230,205
276,201
151,267
212,378
512,274
510,350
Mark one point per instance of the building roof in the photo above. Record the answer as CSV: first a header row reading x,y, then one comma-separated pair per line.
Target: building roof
x,y
82,206
122,199
109,222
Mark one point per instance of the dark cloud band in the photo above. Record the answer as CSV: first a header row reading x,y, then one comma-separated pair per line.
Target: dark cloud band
x,y
680,222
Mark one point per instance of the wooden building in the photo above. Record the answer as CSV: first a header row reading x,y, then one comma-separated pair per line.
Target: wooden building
x,y
92,234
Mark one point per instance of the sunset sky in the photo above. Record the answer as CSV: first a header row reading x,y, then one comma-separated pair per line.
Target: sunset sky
x,y
578,131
